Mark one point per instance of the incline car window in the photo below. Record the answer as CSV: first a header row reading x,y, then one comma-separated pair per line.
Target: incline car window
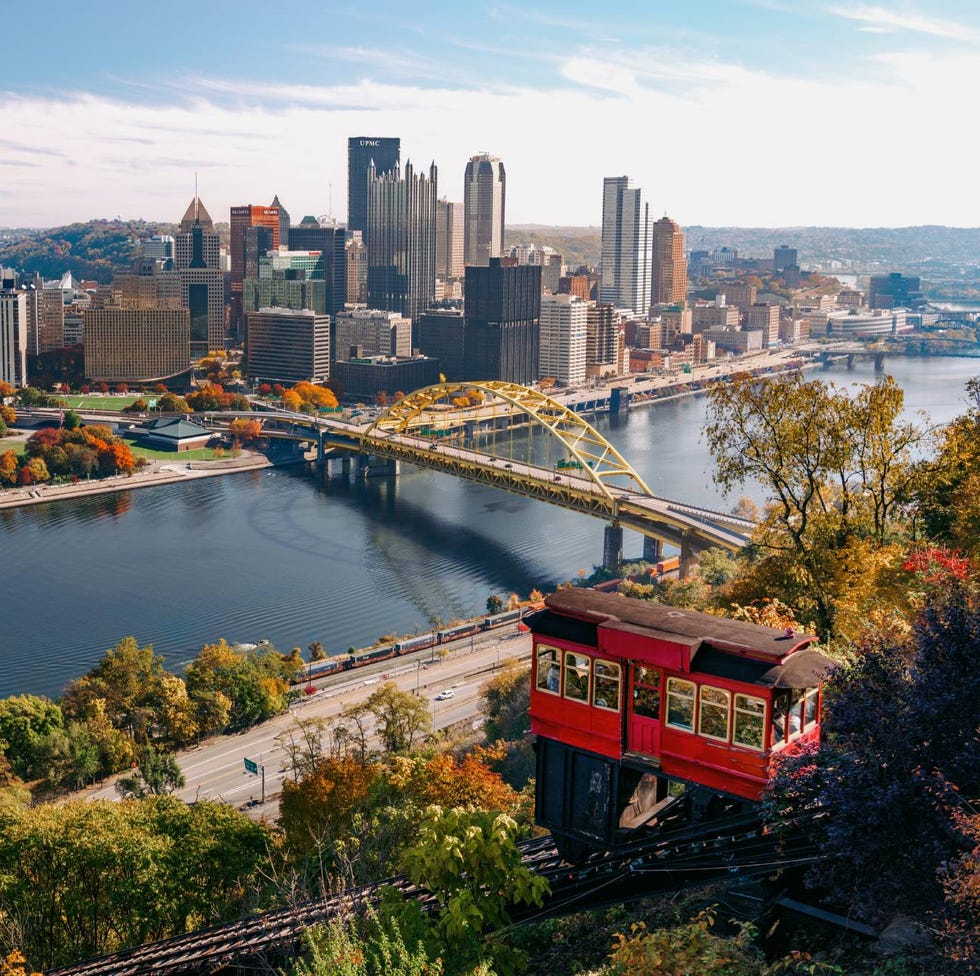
x,y
680,704
605,693
646,691
576,676
750,717
713,714
549,669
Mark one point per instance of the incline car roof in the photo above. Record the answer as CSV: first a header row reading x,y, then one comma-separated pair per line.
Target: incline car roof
x,y
685,626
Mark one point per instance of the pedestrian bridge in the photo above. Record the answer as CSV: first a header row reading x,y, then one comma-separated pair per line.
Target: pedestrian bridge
x,y
476,431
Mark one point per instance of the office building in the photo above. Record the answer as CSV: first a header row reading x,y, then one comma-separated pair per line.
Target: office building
x,y
765,318
136,345
374,331
196,219
717,315
365,377
331,243
363,152
605,341
737,341
563,339
355,258
440,336
242,218
502,311
895,291
484,195
449,240
784,257
284,240
401,240
280,290
676,320
739,293
288,346
13,337
202,284
626,246
669,283
160,247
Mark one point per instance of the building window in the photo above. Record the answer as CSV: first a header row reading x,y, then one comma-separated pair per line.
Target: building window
x,y
713,713
680,704
646,692
576,676
810,711
605,692
750,718
549,669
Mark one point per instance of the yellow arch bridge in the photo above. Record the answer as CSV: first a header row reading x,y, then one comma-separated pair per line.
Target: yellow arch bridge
x,y
477,431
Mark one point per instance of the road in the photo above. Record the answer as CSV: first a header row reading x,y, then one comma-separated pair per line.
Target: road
x,y
215,769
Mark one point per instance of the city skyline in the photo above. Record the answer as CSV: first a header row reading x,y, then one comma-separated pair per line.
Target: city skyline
x,y
839,94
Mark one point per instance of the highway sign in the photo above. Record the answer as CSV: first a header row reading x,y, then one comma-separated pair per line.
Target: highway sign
x,y
251,766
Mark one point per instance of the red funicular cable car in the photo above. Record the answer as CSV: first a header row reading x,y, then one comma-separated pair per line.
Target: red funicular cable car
x,y
628,697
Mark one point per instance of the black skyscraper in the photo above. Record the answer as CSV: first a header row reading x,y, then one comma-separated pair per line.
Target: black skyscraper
x,y
329,241
361,150
502,310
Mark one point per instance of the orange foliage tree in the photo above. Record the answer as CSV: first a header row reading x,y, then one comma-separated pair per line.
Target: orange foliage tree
x,y
244,429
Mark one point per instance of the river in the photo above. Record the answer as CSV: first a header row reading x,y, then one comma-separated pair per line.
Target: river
x,y
269,555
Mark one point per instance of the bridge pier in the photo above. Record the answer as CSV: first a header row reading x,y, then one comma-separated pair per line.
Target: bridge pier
x,y
687,555
369,466
850,360
879,360
653,549
612,547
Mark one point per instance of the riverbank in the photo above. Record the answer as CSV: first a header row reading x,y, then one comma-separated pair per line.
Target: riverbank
x,y
154,474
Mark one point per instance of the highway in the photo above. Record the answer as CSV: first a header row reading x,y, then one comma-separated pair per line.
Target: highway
x,y
215,770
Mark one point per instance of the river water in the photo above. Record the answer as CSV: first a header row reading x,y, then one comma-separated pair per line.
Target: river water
x,y
271,555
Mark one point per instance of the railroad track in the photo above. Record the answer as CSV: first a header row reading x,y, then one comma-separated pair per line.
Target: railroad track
x,y
675,856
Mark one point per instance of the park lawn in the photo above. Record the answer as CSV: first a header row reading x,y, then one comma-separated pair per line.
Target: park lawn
x,y
91,402
198,454
15,444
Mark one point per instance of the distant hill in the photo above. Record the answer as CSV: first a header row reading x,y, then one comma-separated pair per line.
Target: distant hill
x,y
94,250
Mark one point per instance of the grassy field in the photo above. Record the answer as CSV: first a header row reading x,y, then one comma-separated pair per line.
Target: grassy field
x,y
12,444
92,401
198,454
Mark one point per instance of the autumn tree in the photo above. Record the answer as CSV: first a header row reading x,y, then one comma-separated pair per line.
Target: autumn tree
x,y
837,470
244,429
171,403
156,774
506,700
400,717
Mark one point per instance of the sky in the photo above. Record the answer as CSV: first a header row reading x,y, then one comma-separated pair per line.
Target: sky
x,y
726,112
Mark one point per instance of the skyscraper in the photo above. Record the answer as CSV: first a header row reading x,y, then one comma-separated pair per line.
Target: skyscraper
x,y
242,218
13,337
449,239
401,240
385,153
197,257
669,266
502,311
562,339
626,246
331,243
484,192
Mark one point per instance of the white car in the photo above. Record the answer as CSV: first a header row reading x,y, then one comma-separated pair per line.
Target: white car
x,y
443,695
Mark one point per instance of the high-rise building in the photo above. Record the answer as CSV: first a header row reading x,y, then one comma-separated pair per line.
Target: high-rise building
x,y
449,239
242,218
288,346
440,336
332,267
136,345
626,246
502,311
784,257
669,267
484,195
373,331
362,151
895,291
606,341
401,240
13,337
765,318
563,339
284,240
196,217
355,257
197,258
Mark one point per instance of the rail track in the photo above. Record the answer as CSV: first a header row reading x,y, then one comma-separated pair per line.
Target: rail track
x,y
677,855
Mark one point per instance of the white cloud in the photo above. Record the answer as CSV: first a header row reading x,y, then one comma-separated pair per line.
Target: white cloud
x,y
882,19
710,143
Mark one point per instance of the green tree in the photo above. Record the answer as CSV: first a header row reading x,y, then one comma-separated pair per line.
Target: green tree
x,y
71,420
26,723
494,604
157,774
401,717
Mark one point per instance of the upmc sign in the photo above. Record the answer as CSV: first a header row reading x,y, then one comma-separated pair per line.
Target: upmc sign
x,y
370,142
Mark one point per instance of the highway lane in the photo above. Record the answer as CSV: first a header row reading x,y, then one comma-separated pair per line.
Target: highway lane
x,y
215,769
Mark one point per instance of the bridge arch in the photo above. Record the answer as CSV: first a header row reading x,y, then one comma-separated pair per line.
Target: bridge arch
x,y
598,459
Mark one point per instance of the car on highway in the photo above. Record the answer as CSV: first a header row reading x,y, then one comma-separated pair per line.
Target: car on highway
x,y
444,695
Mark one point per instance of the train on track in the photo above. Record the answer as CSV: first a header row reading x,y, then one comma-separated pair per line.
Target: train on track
x,y
408,645
635,705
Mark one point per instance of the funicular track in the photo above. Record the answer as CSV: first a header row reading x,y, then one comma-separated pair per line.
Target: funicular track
x,y
674,856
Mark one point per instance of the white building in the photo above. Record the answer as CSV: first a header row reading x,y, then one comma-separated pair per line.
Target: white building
x,y
375,332
563,338
627,246
13,337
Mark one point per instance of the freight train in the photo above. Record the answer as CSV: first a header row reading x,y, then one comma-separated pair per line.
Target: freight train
x,y
637,706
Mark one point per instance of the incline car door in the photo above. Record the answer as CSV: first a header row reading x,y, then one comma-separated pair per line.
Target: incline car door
x,y
643,720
